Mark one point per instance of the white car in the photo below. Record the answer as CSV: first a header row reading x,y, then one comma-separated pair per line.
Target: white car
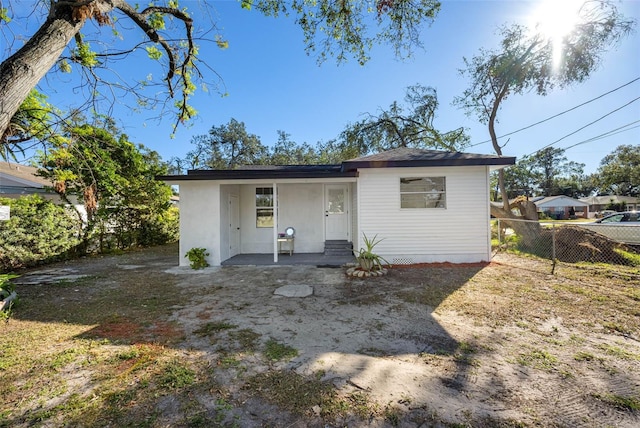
x,y
622,227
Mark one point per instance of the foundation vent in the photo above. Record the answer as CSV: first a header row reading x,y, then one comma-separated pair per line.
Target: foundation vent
x,y
402,261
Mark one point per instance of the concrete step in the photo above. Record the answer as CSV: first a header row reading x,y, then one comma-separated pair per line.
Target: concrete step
x,y
338,248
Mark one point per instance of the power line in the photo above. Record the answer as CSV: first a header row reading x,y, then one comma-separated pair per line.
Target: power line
x,y
559,114
606,134
585,126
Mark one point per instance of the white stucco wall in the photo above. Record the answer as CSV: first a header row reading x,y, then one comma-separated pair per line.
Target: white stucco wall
x,y
299,206
458,233
200,219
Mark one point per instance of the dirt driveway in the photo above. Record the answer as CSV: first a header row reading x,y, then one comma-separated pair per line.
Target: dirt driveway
x,y
131,340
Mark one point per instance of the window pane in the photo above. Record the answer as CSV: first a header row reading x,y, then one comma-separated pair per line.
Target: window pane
x,y
422,192
422,184
264,196
336,201
264,217
412,200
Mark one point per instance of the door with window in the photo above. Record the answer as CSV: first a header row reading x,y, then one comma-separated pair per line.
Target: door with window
x,y
336,211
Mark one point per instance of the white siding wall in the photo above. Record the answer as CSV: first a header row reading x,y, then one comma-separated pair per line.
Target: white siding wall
x,y
354,215
200,219
459,233
300,206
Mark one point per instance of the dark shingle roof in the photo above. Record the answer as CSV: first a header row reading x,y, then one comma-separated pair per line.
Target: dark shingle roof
x,y
410,157
402,157
266,172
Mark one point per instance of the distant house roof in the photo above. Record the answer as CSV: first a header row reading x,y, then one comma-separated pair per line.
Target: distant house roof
x,y
606,199
17,180
397,158
21,175
559,201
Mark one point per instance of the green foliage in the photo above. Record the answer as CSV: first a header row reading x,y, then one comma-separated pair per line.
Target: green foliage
x,y
4,16
31,122
367,258
197,257
5,282
400,126
154,53
115,180
350,28
547,172
156,20
619,171
222,43
39,231
85,56
227,147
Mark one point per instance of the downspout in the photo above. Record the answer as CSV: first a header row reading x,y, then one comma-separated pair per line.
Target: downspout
x,y
275,223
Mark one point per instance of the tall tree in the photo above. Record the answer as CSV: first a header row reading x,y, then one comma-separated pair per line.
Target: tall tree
x,y
549,166
167,34
619,171
227,147
115,181
526,61
288,152
410,125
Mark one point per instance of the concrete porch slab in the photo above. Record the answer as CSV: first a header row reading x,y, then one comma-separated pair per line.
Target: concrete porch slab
x,y
311,259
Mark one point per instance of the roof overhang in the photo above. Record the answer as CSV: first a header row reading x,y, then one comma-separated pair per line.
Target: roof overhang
x,y
275,173
493,162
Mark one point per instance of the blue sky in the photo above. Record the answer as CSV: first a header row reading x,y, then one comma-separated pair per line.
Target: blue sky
x,y
273,85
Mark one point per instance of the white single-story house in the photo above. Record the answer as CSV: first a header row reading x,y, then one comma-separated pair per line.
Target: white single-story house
x,y
562,207
600,203
422,204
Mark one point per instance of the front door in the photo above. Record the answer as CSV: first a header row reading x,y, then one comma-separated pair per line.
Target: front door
x,y
234,225
336,211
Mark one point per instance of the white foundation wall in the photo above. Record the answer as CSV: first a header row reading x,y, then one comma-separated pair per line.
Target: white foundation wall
x,y
299,206
200,219
459,233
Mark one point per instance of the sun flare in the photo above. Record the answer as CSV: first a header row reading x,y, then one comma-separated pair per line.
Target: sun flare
x,y
555,19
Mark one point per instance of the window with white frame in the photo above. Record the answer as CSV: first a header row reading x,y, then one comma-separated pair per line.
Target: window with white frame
x,y
423,192
264,206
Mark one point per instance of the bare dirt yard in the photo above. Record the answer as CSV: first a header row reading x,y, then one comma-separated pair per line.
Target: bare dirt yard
x,y
133,340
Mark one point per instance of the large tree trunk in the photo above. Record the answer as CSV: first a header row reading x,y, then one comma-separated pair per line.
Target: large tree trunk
x,y
22,71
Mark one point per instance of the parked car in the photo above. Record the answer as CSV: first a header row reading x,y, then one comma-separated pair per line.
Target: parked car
x,y
622,227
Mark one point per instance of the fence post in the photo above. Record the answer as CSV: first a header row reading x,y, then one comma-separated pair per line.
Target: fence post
x,y
553,248
499,237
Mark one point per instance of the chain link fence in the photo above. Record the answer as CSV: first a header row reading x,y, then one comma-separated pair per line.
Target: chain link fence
x,y
567,242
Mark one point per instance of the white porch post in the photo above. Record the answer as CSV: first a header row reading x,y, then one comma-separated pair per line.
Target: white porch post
x,y
275,223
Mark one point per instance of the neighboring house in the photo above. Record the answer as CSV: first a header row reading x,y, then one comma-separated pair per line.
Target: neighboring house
x,y
425,205
561,207
599,203
20,180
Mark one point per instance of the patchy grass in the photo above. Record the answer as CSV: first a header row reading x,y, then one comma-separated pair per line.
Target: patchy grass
x,y
620,401
538,359
276,351
213,327
108,351
308,395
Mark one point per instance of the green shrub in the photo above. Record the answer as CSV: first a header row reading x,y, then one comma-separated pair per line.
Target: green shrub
x,y
197,258
38,231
